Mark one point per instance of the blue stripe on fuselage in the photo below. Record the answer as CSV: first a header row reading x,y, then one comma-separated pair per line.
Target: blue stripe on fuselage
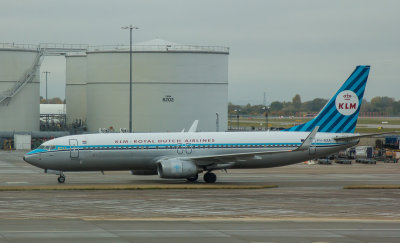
x,y
176,146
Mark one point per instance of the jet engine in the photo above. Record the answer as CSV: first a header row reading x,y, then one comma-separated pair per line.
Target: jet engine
x,y
176,168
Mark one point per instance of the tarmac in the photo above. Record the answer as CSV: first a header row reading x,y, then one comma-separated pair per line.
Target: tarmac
x,y
310,204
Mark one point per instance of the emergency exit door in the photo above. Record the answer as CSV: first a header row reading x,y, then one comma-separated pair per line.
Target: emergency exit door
x,y
73,148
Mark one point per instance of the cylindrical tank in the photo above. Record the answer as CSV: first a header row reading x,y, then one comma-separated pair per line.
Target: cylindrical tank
x,y
75,91
173,85
20,111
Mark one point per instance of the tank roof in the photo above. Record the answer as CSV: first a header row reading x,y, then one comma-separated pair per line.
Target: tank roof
x,y
18,47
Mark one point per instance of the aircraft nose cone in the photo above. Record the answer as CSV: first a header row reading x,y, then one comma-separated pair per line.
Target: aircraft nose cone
x,y
30,159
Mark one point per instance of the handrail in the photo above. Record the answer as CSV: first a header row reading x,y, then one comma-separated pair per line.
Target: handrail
x,y
165,48
18,46
63,46
27,77
85,47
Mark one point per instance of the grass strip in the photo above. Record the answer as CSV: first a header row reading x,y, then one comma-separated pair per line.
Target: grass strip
x,y
372,187
129,187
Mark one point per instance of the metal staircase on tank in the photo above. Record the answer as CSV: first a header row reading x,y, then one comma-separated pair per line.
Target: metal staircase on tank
x,y
45,49
28,77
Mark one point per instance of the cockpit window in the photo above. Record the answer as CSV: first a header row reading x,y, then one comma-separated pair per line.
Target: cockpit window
x,y
41,147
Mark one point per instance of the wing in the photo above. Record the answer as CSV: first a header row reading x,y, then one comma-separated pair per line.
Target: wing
x,y
228,158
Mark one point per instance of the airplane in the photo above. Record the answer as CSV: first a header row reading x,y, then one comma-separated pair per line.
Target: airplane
x,y
184,155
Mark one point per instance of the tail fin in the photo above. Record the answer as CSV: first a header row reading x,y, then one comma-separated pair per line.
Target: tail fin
x,y
340,114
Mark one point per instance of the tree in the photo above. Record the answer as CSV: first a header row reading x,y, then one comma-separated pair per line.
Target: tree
x,y
55,100
276,106
315,105
382,104
296,102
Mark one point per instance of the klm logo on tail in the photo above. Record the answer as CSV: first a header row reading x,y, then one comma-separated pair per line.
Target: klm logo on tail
x,y
346,102
340,114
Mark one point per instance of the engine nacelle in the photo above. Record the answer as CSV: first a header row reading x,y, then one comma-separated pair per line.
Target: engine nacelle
x,y
176,169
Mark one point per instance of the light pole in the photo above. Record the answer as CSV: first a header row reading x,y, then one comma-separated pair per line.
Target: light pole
x,y
46,72
217,122
237,116
266,108
130,27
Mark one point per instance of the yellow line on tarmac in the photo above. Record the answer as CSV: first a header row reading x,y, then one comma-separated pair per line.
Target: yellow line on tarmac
x,y
130,187
372,187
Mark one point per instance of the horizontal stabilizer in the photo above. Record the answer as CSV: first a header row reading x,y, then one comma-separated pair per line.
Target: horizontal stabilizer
x,y
347,138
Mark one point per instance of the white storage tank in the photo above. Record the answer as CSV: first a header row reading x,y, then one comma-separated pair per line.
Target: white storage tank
x,y
19,87
173,85
75,90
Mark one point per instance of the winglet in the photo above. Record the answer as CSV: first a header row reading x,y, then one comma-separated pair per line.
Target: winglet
x,y
307,142
193,128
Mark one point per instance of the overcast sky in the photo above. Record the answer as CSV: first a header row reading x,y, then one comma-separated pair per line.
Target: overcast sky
x,y
278,47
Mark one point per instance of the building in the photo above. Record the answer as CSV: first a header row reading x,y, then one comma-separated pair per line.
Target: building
x,y
173,85
19,87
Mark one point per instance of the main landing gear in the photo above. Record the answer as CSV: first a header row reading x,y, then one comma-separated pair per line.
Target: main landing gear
x,y
61,178
210,177
193,178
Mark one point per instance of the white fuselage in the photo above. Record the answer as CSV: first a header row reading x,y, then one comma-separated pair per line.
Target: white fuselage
x,y
141,151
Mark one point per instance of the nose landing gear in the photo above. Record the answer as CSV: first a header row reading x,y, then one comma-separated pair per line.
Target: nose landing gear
x,y
61,178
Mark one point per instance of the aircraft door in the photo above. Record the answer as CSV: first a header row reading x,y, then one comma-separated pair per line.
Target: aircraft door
x,y
179,149
189,148
73,149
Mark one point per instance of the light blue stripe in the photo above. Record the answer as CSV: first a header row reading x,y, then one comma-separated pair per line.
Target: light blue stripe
x,y
350,123
362,79
338,117
36,151
350,80
323,121
183,146
360,93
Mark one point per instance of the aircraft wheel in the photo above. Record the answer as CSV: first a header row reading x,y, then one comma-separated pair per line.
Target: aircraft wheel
x,y
210,177
193,178
61,179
